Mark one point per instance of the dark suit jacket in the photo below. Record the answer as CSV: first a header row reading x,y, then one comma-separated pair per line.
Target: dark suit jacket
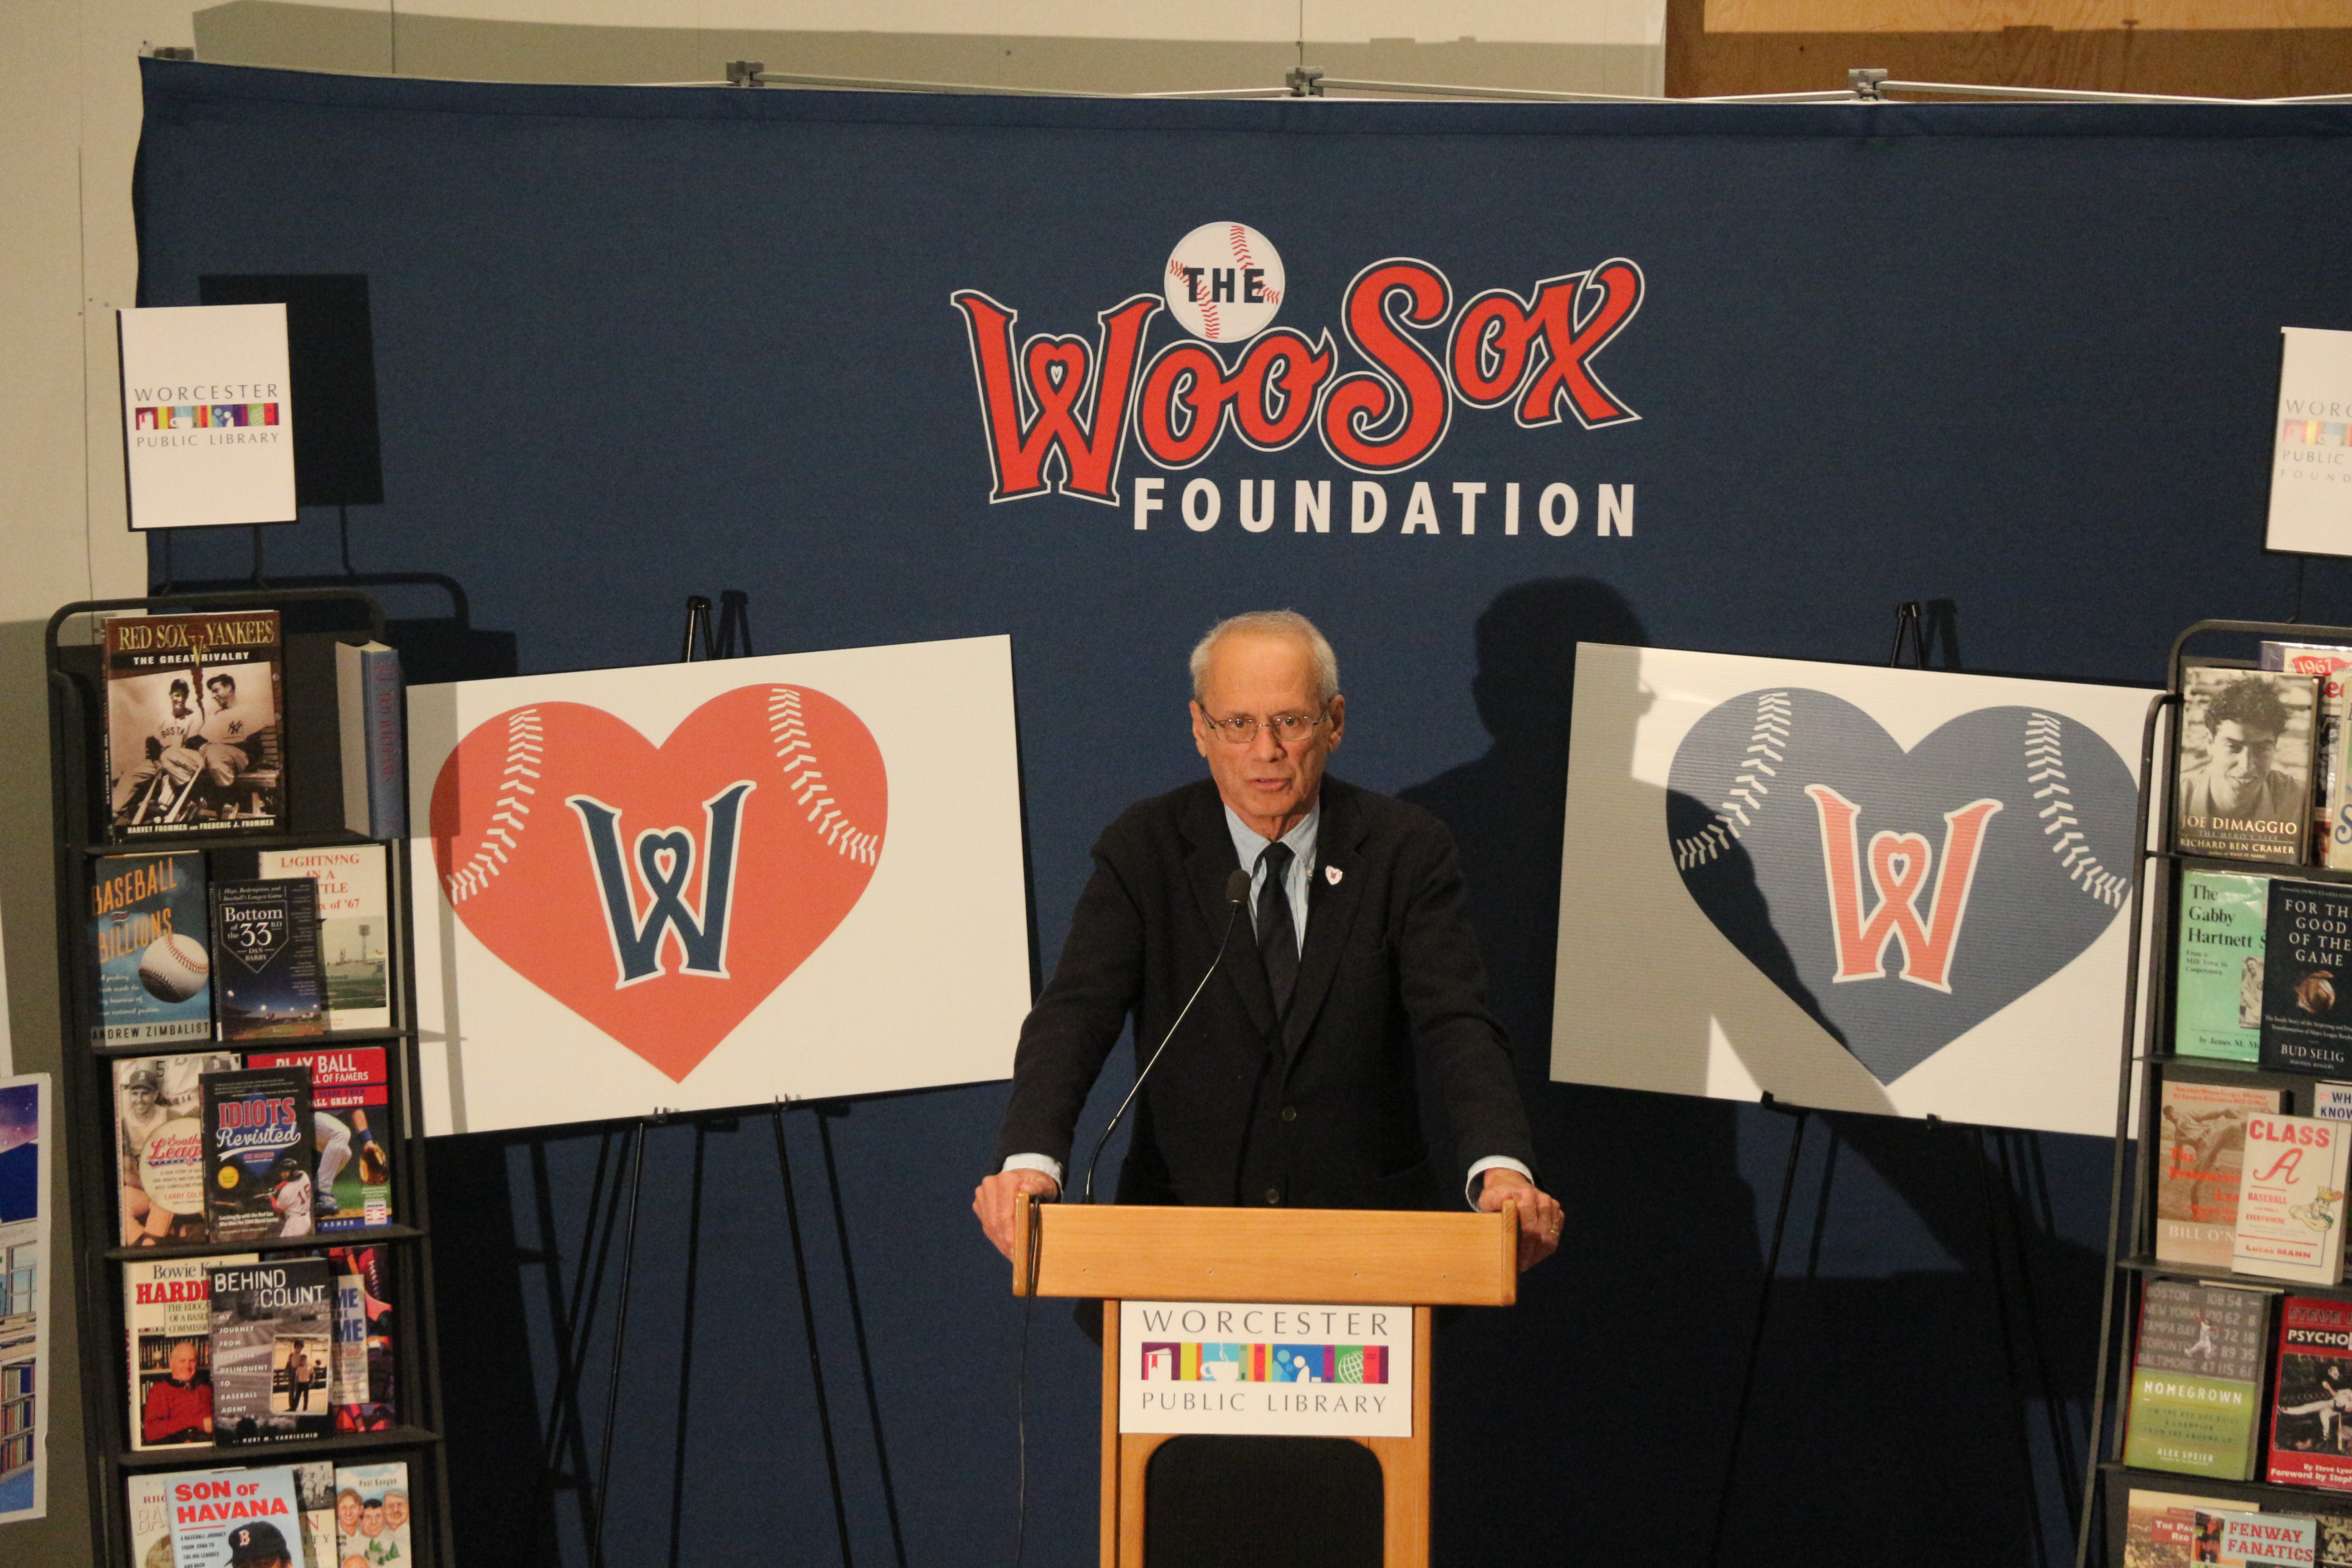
x,y
1319,1109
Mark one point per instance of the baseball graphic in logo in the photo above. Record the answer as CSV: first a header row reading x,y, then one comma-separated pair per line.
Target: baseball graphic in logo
x,y
1900,897
1224,282
661,892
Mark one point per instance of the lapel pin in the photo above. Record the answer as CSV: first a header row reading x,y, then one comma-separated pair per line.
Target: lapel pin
x,y
1332,873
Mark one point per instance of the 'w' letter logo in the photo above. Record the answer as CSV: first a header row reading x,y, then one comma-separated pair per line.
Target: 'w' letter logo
x,y
1062,396
664,861
1899,864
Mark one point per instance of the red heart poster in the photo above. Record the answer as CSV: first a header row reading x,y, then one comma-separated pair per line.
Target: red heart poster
x,y
661,892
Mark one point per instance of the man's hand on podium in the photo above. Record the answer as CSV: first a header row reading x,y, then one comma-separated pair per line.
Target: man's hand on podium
x,y
992,1202
1539,1214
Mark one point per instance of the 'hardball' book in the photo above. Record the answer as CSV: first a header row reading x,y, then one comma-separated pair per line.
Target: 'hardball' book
x,y
257,1134
192,733
2291,1200
273,1350
2244,787
2203,1132
266,933
148,925
2306,971
167,1315
2218,1009
2310,1445
2197,1380
351,1108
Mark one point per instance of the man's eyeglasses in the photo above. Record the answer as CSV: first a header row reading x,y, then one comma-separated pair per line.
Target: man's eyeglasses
x,y
1242,729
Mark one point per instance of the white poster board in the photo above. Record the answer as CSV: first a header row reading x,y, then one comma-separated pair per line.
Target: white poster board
x,y
2311,459
208,416
1887,890
693,886
28,1205
1265,1369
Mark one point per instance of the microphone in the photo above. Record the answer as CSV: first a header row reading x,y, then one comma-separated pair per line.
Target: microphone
x,y
1237,893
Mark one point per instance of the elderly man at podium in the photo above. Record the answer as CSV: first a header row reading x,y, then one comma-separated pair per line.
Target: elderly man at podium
x,y
1347,975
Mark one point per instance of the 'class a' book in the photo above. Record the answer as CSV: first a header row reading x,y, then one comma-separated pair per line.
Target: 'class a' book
x,y
2243,791
2203,1130
192,742
2307,978
273,1350
2197,1380
148,934
2291,1199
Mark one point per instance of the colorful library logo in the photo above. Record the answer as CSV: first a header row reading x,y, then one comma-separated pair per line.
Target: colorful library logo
x,y
1192,1361
2313,433
202,415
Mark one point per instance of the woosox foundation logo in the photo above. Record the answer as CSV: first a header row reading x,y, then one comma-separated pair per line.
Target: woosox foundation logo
x,y
1059,413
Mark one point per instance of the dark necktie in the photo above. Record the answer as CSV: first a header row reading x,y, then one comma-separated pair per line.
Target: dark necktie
x,y
1278,939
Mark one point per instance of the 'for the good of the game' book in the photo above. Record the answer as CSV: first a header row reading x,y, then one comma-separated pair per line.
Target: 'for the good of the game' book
x,y
2291,1200
273,1350
2197,1380
148,925
2306,968
350,1109
2309,1445
257,1134
265,934
2204,1129
2244,792
192,724
2218,1009
167,1313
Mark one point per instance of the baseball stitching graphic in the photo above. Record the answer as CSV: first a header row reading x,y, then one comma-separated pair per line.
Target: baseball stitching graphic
x,y
790,734
2045,755
1767,744
1224,282
524,747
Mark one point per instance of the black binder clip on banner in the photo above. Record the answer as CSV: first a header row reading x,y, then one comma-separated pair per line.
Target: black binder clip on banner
x,y
734,627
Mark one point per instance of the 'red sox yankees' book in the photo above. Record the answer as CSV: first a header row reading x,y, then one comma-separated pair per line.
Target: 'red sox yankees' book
x,y
192,724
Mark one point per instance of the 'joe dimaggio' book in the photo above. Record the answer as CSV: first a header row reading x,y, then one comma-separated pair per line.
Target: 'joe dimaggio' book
x,y
2244,790
2203,1133
257,1138
159,1138
266,935
2307,947
148,927
2218,1011
2310,1445
350,1100
2197,1380
192,723
273,1346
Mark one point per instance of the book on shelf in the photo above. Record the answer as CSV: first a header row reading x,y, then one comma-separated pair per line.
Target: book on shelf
x,y
379,1534
2202,1136
2197,1380
167,1318
2327,663
2332,1100
193,742
368,706
266,935
147,1504
228,1518
2310,1444
2307,945
2218,1007
350,1107
364,1372
273,1346
258,1142
2291,1199
314,1494
2244,780
159,1136
153,1498
354,927
148,939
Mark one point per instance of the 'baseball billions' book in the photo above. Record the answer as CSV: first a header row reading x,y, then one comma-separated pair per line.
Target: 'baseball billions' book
x,y
147,930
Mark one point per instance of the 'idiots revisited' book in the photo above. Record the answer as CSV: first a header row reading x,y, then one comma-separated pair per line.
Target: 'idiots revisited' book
x,y
167,1314
148,936
350,1103
2291,1200
2218,1009
2244,787
2308,946
2197,1380
266,934
192,713
159,1138
2204,1135
257,1134
273,1347
2310,1445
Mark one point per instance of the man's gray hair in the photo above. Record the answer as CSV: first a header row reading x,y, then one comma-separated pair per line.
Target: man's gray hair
x,y
1279,624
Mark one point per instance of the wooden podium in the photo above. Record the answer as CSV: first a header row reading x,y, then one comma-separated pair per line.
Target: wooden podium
x,y
1340,1256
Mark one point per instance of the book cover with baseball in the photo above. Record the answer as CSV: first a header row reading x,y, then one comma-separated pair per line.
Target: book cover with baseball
x,y
159,1135
2204,1126
225,1518
2306,950
378,1531
272,1349
2246,761
354,928
363,1377
167,1317
257,1154
149,933
266,946
350,1107
2196,1379
193,744
2310,1445
2218,984
2291,1199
